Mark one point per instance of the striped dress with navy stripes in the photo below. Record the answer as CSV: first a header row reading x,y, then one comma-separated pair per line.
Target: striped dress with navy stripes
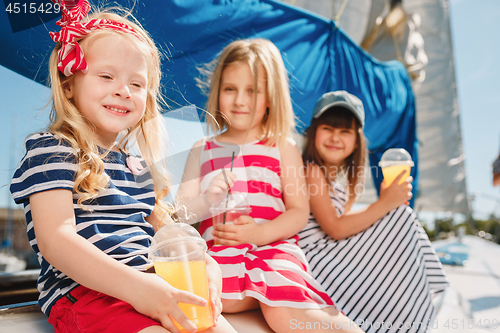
x,y
382,278
116,224
275,274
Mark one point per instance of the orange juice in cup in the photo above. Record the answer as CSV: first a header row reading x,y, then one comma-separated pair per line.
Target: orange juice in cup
x,y
178,255
393,162
190,276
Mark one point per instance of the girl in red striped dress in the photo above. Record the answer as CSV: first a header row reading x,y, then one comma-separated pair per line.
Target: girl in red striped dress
x,y
250,109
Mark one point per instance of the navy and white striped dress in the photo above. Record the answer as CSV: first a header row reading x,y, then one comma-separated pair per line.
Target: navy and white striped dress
x,y
116,224
382,278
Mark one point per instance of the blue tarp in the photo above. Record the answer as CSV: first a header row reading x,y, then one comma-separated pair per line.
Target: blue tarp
x,y
318,55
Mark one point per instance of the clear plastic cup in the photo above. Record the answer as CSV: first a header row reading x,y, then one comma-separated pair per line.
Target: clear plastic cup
x,y
393,162
230,208
178,254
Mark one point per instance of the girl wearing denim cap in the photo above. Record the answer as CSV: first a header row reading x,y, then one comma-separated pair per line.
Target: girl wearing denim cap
x,y
376,263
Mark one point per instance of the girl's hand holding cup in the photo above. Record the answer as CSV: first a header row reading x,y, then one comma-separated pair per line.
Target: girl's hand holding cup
x,y
232,224
243,230
398,193
396,188
159,300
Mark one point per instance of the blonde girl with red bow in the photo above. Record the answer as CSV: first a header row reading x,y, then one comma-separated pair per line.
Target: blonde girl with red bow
x,y
91,207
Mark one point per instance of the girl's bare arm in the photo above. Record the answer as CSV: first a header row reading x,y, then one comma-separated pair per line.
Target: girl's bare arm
x,y
346,225
188,194
195,207
294,188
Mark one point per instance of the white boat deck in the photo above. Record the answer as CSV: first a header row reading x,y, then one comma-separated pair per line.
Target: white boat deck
x,y
472,303
29,319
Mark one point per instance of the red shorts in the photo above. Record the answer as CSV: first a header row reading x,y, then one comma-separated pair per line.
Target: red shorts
x,y
86,310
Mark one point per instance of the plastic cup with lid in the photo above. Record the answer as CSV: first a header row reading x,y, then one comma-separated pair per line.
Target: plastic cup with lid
x,y
393,162
178,254
230,208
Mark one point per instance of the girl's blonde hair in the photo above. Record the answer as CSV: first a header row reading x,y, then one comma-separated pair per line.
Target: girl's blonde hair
x,y
278,122
68,124
354,164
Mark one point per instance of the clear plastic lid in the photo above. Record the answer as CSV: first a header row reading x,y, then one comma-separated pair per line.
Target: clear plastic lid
x,y
395,156
174,238
233,201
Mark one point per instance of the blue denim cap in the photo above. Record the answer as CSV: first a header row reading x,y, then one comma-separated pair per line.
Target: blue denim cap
x,y
340,98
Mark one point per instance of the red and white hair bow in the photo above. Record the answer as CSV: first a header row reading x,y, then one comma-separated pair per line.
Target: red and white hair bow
x,y
70,57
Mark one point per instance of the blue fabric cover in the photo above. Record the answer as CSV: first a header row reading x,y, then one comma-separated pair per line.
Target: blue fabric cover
x,y
318,55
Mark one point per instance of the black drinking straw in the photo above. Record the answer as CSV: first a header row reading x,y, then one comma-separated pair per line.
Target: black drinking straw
x,y
229,190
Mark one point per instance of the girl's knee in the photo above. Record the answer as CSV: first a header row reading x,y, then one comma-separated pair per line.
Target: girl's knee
x,y
280,319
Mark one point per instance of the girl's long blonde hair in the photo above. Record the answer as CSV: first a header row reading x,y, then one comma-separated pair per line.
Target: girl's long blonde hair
x,y
354,164
68,124
279,122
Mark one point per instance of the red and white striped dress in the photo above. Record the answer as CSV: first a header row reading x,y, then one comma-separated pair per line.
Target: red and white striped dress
x,y
275,274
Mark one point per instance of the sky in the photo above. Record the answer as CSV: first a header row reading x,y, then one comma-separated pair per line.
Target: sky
x,y
474,25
